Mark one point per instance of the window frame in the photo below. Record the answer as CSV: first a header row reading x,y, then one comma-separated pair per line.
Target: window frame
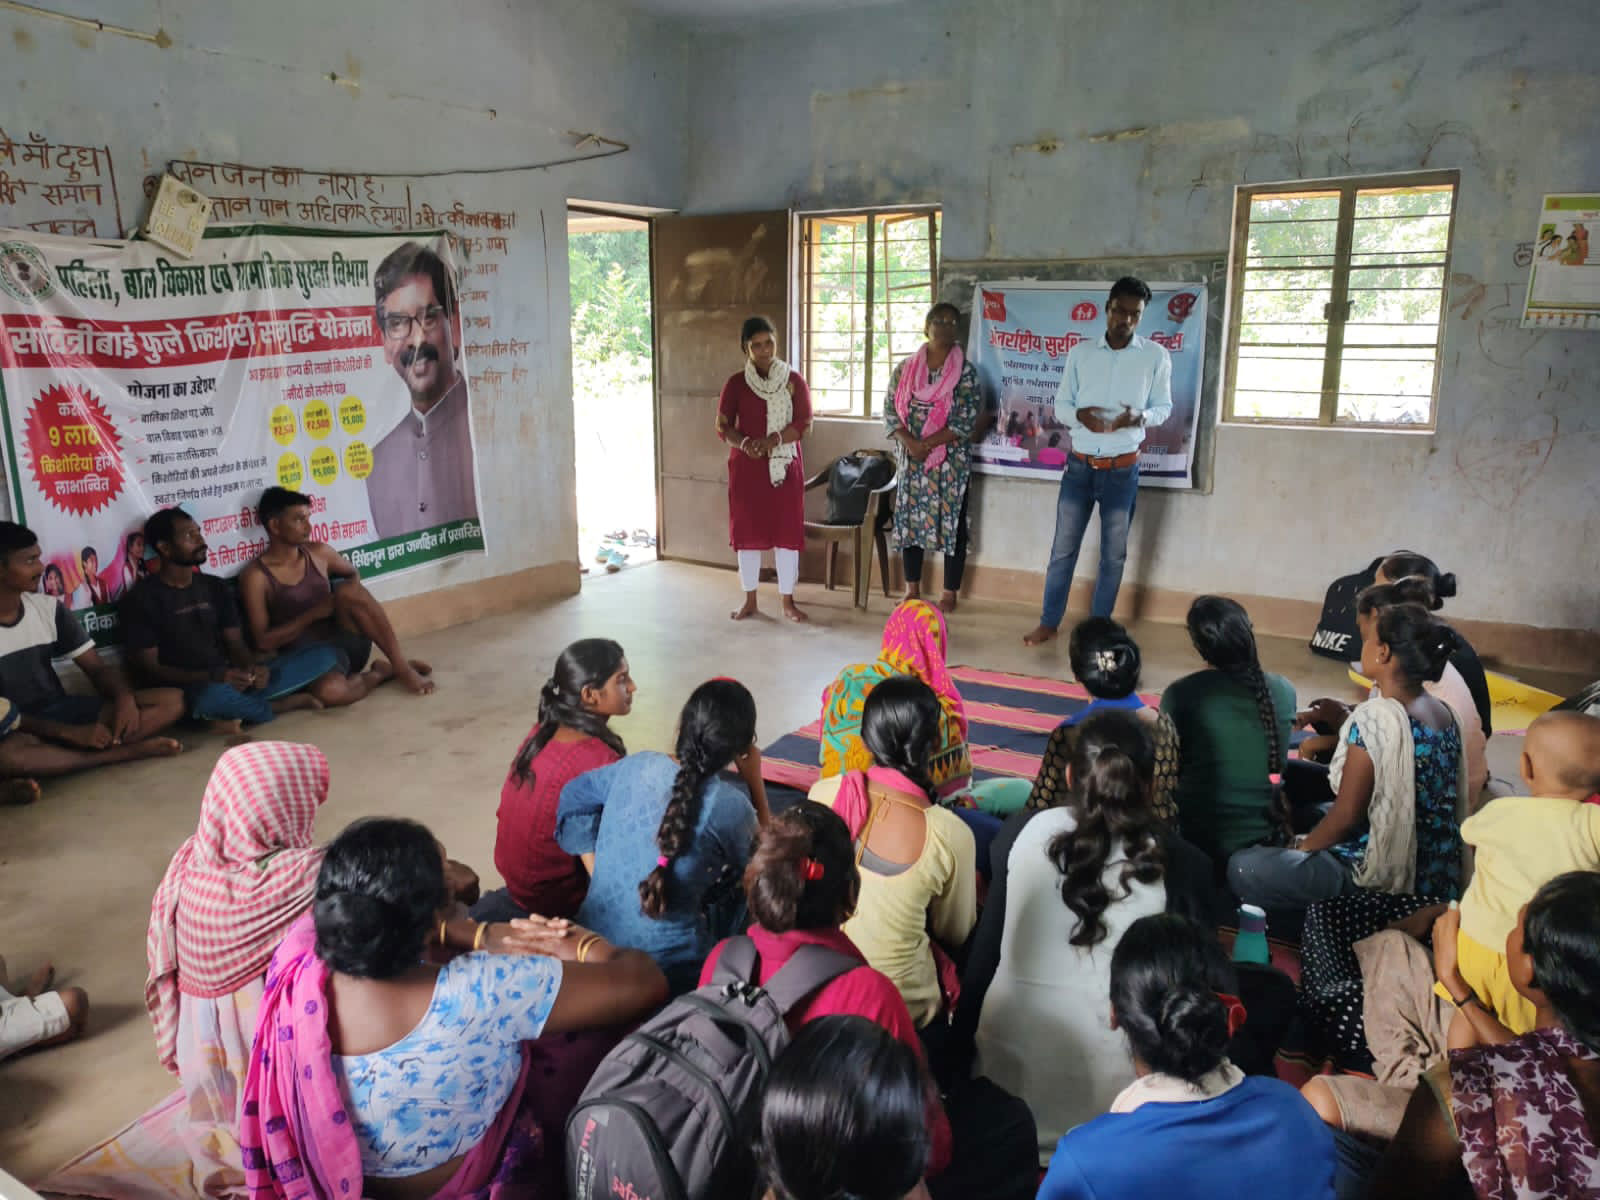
x,y
1348,187
862,407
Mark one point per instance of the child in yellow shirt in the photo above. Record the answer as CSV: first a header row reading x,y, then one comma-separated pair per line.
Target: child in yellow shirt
x,y
1522,842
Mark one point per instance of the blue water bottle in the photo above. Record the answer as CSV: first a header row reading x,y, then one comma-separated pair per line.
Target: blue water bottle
x,y
1251,944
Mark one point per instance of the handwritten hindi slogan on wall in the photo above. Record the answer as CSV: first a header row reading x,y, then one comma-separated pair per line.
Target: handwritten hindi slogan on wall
x,y
57,187
1022,332
497,259
129,383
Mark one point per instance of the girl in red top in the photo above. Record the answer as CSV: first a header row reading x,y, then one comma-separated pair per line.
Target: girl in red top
x,y
801,885
590,685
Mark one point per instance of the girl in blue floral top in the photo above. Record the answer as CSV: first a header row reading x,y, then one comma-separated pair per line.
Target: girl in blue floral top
x,y
1369,838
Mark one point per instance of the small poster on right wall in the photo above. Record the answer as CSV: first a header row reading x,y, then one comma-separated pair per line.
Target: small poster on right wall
x,y
1564,278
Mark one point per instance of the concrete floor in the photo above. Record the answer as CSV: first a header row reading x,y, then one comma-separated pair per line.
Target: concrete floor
x,y
77,870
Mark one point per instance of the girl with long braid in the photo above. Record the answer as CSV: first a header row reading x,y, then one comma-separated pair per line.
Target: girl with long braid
x,y
918,861
591,684
1233,721
660,831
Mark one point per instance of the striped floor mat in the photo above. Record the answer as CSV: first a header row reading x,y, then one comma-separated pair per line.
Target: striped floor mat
x,y
1009,717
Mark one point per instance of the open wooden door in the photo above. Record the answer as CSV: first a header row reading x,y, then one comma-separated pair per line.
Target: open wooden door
x,y
709,274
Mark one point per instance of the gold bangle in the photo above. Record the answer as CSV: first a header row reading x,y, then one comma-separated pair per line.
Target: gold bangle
x,y
477,938
586,945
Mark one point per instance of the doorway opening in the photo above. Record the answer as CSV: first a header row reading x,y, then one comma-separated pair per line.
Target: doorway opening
x,y
613,397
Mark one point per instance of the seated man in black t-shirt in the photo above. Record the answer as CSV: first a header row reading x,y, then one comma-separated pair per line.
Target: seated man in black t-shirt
x,y
182,629
57,732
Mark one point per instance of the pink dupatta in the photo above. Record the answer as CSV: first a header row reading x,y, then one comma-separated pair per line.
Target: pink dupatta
x,y
938,395
294,1131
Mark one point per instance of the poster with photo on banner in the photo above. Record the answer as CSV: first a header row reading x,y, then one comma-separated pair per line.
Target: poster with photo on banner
x,y
1021,333
131,380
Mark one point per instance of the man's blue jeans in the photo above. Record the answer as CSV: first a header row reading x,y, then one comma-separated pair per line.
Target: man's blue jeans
x,y
1082,487
290,672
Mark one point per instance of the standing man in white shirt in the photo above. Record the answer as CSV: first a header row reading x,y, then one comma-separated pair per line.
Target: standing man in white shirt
x,y
1113,389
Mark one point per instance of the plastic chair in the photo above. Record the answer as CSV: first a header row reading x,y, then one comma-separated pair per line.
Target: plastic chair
x,y
872,531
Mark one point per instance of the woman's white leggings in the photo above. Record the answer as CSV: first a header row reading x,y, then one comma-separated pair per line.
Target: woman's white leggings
x,y
788,570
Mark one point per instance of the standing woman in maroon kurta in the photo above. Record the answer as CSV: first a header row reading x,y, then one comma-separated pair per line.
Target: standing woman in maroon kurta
x,y
764,412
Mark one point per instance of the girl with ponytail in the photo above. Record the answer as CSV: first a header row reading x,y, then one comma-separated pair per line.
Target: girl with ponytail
x,y
1068,882
1191,1126
590,685
1233,721
918,860
1399,781
661,831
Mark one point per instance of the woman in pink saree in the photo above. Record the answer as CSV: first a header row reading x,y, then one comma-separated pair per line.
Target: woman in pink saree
x,y
377,1074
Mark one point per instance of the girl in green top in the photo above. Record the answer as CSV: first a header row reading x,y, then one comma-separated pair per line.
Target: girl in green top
x,y
1233,724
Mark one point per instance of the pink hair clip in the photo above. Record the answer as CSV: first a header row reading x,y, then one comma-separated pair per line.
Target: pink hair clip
x,y
663,861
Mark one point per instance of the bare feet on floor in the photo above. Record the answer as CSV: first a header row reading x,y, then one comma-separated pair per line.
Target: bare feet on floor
x,y
913,592
15,792
747,609
297,702
793,611
417,682
381,672
1040,635
156,747
947,601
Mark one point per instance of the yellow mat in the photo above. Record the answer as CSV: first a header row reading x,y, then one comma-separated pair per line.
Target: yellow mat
x,y
1514,704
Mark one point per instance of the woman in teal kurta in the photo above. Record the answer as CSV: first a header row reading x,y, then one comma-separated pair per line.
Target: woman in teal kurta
x,y
930,411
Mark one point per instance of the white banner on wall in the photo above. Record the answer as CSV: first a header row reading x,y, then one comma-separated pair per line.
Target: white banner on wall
x,y
1020,335
130,382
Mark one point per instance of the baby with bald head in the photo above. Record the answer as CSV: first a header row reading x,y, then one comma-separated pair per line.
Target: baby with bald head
x,y
1561,756
1523,842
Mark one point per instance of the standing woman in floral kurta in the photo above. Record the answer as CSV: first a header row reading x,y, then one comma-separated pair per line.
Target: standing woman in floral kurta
x,y
764,412
930,411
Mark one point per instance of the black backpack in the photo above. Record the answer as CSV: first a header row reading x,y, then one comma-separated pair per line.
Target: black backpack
x,y
853,480
671,1113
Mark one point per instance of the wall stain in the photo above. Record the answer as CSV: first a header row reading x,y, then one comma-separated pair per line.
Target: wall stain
x,y
22,39
1354,37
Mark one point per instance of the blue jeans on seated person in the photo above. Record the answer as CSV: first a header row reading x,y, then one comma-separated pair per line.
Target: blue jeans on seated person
x,y
1082,487
1278,877
290,672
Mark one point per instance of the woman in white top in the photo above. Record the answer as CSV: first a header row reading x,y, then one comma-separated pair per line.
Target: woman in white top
x,y
1067,882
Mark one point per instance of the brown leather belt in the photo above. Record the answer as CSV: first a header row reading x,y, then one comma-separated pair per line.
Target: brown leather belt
x,y
1109,464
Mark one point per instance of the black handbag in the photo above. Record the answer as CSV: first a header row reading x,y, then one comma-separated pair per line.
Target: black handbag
x,y
853,480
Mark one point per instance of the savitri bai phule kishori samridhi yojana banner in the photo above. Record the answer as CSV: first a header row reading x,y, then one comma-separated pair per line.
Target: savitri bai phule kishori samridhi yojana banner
x,y
1021,333
132,381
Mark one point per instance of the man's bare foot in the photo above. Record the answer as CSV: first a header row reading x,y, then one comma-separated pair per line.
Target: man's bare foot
x,y
1040,635
226,728
947,601
380,672
297,702
793,611
747,609
238,739
420,667
39,982
157,747
416,683
913,592
16,792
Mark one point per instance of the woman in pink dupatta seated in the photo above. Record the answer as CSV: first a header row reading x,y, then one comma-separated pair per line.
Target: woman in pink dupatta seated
x,y
377,1074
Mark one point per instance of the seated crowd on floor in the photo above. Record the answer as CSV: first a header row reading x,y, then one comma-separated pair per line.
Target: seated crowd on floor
x,y
911,982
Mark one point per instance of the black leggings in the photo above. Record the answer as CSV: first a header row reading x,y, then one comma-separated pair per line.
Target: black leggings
x,y
955,561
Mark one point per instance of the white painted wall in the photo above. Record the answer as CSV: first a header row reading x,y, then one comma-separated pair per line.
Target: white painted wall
x,y
995,109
